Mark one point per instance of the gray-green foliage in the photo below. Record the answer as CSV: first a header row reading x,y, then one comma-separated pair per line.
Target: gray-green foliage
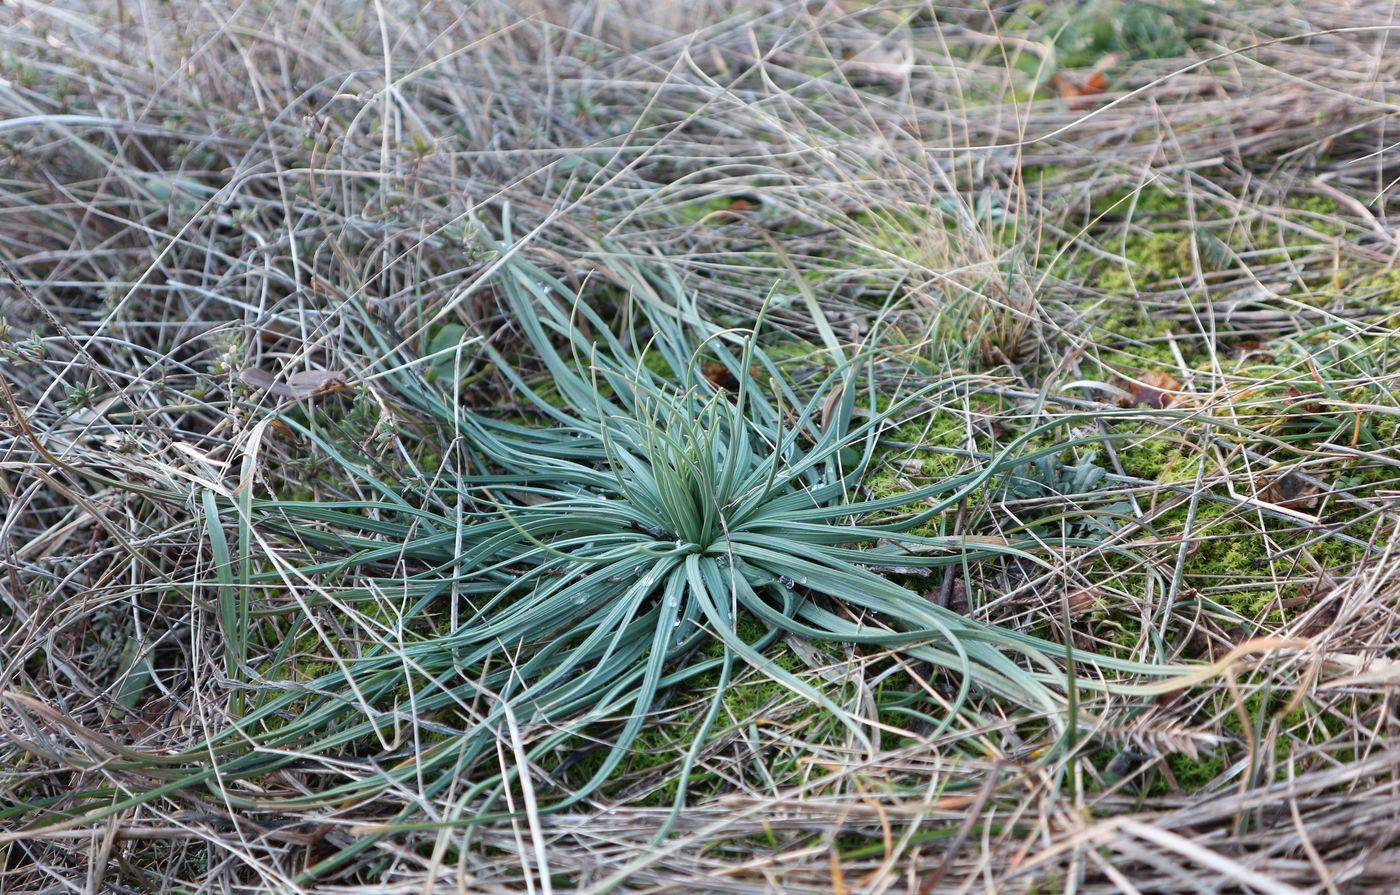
x,y
1085,32
1051,482
601,539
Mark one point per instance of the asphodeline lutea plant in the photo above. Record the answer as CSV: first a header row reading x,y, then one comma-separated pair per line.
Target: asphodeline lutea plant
x,y
597,542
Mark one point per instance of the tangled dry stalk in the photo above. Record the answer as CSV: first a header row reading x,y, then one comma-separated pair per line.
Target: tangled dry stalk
x,y
192,191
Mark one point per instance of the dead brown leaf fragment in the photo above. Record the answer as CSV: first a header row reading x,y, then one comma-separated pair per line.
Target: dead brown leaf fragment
x,y
952,595
720,376
282,429
1081,600
739,207
985,417
300,385
1075,93
1253,349
953,803
1153,389
1290,490
829,406
723,379
1300,403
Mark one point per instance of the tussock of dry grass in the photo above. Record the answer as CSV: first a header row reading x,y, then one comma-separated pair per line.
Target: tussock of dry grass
x,y
191,191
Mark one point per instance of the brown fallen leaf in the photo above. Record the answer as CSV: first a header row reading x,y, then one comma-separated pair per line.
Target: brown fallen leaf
x,y
282,429
1169,700
1075,94
1317,597
1152,390
1305,407
986,418
737,210
1081,600
1290,490
829,406
721,377
302,384
1253,349
955,592
957,597
953,803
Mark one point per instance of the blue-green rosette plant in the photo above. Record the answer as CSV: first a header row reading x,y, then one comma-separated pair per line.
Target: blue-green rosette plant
x,y
597,542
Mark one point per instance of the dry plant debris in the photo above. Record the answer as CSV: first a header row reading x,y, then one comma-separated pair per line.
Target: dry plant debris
x,y
238,229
